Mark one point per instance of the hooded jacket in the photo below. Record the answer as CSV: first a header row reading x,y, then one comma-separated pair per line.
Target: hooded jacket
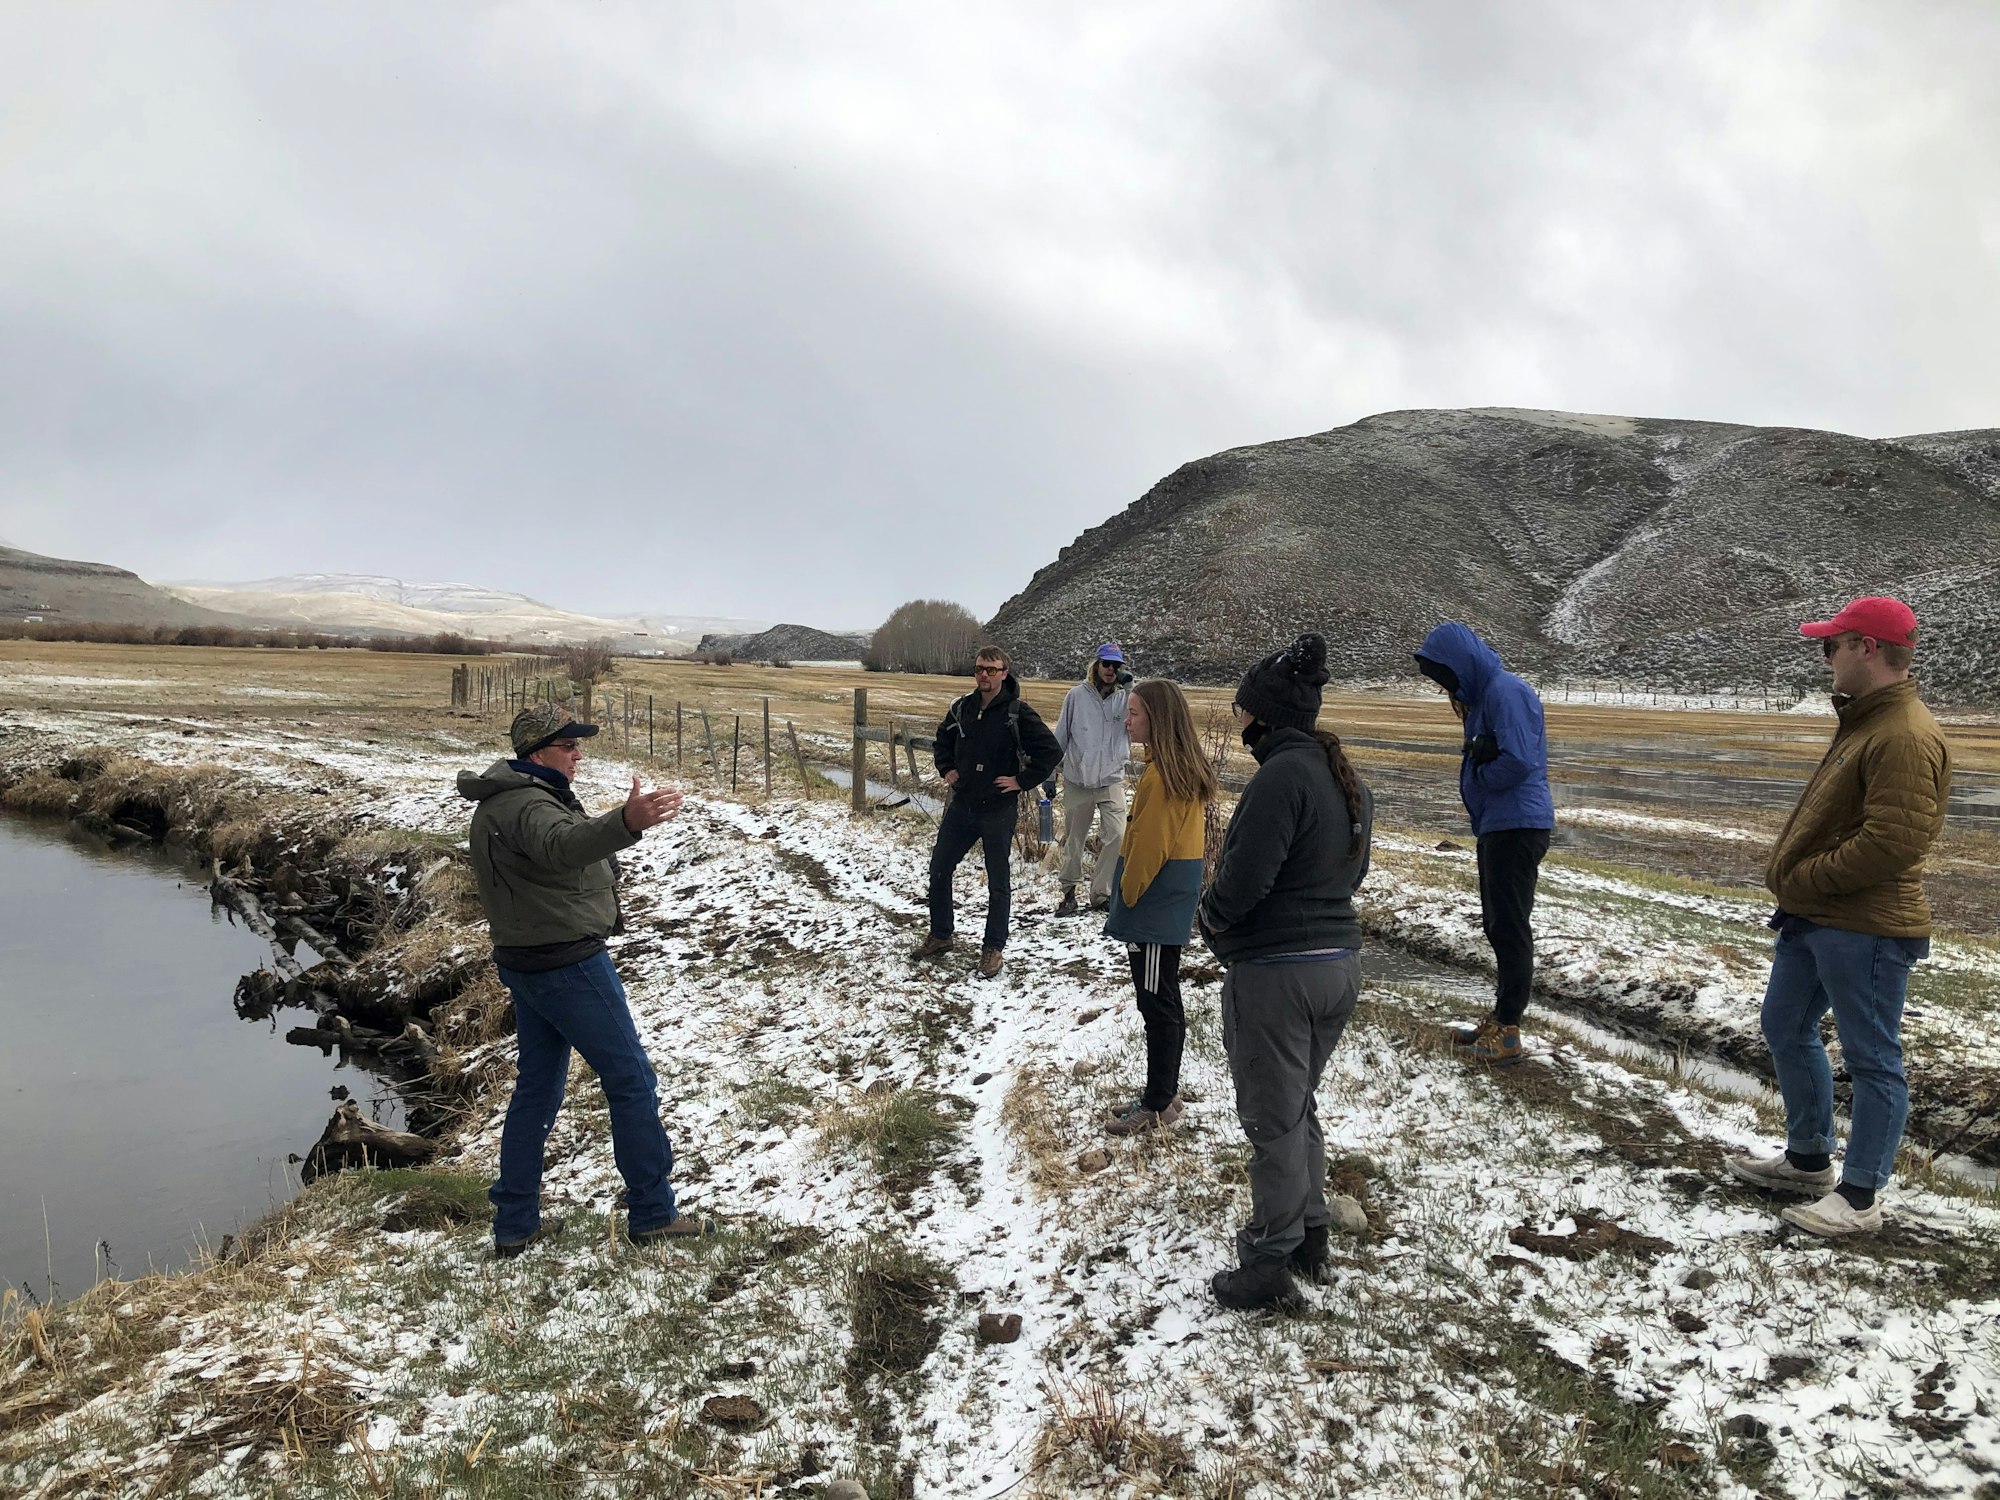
x,y
1003,738
543,866
1503,777
1091,732
1852,853
1290,861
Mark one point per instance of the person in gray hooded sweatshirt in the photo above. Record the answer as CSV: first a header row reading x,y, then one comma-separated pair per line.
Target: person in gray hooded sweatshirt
x,y
1095,747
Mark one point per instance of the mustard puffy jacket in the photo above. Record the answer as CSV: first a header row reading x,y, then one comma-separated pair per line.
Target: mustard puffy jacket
x,y
1852,853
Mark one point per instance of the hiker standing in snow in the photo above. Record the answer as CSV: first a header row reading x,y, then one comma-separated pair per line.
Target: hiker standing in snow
x,y
547,879
1852,920
990,745
1158,883
1503,779
1091,731
1280,916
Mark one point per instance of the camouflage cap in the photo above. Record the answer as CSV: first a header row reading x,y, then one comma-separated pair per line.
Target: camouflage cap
x,y
539,724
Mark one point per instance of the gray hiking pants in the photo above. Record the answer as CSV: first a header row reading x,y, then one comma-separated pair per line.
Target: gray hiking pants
x,y
1280,1023
1080,805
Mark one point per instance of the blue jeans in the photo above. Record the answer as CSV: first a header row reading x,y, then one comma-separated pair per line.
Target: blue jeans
x,y
964,824
581,1006
1862,978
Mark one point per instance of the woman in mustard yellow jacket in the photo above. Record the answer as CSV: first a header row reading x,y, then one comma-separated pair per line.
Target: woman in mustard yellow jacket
x,y
1157,884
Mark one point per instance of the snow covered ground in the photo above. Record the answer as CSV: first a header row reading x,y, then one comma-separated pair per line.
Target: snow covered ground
x,y
1557,1293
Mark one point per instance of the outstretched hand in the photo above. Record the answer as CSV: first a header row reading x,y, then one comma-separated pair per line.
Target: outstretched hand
x,y
644,809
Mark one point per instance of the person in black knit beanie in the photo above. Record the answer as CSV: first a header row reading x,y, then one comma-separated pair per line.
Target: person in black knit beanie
x,y
1280,917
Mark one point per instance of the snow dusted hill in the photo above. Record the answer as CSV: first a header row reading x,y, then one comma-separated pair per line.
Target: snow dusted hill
x,y
361,601
1675,554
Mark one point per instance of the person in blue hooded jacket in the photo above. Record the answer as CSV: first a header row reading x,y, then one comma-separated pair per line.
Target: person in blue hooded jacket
x,y
1503,779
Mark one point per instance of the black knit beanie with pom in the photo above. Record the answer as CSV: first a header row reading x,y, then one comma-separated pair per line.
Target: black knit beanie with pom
x,y
1283,689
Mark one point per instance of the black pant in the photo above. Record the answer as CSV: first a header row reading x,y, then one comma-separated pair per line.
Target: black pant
x,y
1509,862
964,824
1156,979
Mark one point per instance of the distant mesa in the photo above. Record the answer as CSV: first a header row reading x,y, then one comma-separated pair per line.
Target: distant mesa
x,y
1675,554
56,590
789,643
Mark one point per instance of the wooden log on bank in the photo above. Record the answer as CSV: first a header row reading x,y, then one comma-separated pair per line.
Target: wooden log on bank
x,y
351,1139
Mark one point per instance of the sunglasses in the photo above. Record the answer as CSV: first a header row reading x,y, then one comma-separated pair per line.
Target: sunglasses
x,y
1834,642
568,746
989,671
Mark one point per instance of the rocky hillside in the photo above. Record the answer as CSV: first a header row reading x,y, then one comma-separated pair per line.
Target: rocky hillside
x,y
62,592
787,643
1674,554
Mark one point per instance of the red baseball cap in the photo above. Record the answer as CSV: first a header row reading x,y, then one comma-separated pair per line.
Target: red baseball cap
x,y
1877,616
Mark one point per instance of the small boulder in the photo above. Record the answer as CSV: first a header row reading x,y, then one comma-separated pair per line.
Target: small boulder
x,y
1083,1067
739,1413
999,1328
1699,1280
1347,1215
846,1489
1096,1159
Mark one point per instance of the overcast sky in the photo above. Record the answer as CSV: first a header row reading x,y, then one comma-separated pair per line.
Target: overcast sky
x,y
798,310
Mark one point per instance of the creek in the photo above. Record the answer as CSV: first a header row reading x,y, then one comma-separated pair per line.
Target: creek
x,y
140,1118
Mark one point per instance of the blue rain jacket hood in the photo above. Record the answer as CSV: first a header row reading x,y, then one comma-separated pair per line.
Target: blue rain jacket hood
x,y
1511,790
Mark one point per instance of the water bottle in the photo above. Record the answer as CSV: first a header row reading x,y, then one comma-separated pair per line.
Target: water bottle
x,y
1045,815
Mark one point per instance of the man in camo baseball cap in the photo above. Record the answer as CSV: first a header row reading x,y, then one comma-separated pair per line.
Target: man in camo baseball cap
x,y
539,725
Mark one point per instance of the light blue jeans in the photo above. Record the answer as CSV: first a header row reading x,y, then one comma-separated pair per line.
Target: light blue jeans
x,y
1862,979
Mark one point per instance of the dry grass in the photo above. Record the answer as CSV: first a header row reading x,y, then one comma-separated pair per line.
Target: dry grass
x,y
40,794
1035,1119
1093,1432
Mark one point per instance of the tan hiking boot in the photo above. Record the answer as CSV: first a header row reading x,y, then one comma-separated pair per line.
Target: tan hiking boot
x,y
1497,1044
933,947
683,1227
1137,1121
990,960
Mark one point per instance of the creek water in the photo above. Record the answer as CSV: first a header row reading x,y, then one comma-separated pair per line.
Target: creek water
x,y
140,1118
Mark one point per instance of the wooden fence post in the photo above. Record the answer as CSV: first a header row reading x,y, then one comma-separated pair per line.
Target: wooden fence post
x,y
708,733
735,751
805,777
858,761
649,726
677,734
767,747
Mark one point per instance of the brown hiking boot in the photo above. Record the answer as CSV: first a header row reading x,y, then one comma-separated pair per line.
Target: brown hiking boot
x,y
1497,1044
933,946
1138,1121
683,1227
1067,906
990,960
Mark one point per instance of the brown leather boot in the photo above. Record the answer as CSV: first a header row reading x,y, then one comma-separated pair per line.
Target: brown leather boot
x,y
990,960
932,947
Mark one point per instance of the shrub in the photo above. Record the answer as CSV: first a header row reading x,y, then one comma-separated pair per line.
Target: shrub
x,y
925,635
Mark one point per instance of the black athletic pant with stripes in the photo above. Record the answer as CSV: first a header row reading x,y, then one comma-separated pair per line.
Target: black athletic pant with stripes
x,y
1156,978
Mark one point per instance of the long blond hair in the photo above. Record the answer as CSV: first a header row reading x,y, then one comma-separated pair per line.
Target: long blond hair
x,y
1173,745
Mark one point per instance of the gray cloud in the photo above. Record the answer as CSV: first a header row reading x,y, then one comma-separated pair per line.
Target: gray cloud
x,y
798,310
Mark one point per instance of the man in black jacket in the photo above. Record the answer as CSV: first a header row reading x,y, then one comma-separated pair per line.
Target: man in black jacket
x,y
990,745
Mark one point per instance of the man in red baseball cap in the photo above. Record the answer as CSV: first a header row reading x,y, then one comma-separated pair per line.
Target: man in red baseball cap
x,y
1852,919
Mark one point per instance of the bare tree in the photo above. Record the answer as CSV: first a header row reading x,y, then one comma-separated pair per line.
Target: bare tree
x,y
588,661
925,635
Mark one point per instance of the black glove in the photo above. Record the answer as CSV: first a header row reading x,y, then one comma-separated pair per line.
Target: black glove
x,y
1122,677
1480,749
1049,787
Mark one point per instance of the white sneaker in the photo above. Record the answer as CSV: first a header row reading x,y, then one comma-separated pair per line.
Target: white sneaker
x,y
1777,1174
1833,1216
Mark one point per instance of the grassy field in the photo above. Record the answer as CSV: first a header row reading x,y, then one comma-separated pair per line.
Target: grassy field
x,y
1557,1292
